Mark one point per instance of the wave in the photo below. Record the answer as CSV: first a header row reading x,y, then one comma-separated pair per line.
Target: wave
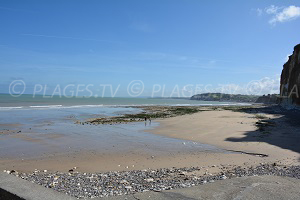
x,y
64,107
84,106
42,107
50,106
10,108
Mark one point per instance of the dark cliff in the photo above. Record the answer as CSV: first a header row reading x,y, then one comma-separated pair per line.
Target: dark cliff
x,y
290,79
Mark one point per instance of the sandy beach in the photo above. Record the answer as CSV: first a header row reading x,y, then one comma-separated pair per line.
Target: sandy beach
x,y
236,131
189,147
224,129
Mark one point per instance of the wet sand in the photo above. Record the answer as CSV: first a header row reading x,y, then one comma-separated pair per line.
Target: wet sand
x,y
9,128
206,127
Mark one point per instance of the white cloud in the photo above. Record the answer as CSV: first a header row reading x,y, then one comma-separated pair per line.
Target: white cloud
x,y
266,85
280,14
272,9
289,13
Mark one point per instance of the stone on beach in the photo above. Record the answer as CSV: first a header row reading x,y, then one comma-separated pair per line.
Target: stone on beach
x,y
92,185
149,180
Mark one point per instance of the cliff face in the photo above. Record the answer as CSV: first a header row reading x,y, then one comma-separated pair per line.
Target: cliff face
x,y
290,79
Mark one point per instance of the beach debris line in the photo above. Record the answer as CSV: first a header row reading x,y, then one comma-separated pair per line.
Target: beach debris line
x,y
91,185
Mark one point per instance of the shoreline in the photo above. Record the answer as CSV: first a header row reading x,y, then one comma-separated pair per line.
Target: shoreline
x,y
257,142
213,126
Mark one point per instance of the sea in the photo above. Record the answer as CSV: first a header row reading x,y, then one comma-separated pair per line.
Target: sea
x,y
8,102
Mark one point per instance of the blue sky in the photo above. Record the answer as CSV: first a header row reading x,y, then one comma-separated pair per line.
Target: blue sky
x,y
166,42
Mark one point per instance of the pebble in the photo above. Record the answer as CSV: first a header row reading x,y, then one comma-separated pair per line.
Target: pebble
x,y
155,190
149,180
113,183
223,177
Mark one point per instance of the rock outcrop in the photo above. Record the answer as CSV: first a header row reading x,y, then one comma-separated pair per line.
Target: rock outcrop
x,y
290,80
268,99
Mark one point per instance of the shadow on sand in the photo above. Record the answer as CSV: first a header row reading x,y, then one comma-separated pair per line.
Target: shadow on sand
x,y
283,131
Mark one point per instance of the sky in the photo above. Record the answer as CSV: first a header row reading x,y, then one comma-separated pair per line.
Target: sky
x,y
188,44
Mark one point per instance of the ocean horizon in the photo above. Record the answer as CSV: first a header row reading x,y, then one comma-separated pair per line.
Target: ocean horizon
x,y
27,101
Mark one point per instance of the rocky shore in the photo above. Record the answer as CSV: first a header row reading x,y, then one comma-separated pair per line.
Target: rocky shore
x,y
149,113
157,112
91,185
